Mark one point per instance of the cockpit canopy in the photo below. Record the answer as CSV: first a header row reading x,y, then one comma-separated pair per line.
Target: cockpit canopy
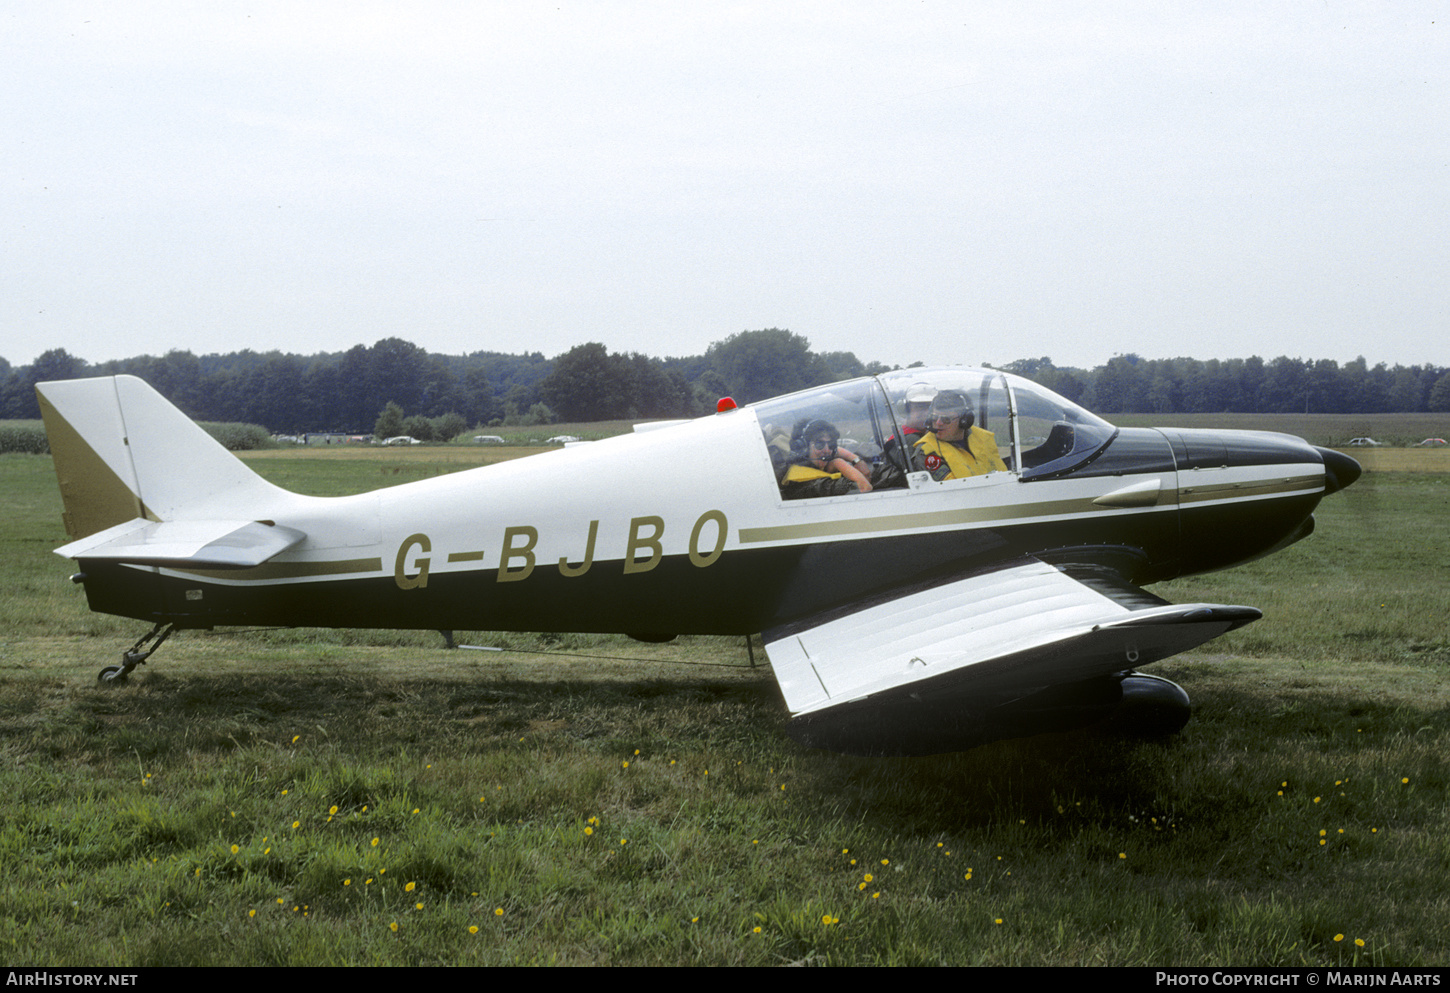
x,y
882,419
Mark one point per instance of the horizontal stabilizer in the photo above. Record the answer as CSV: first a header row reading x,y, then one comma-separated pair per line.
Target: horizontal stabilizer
x,y
186,544
1006,632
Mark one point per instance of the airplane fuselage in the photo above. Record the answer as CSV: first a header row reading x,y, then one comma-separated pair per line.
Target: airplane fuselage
x,y
640,528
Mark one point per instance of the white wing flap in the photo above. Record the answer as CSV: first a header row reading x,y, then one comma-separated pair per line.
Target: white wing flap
x,y
1029,623
208,544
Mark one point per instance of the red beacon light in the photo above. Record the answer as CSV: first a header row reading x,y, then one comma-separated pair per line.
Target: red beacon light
x,y
724,404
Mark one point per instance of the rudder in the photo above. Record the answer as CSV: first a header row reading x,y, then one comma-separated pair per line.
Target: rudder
x,y
123,451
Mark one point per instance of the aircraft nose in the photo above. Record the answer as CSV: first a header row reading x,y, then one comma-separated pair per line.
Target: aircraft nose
x,y
1339,470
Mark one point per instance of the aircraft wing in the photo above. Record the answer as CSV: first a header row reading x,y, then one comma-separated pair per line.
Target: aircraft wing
x,y
912,672
187,544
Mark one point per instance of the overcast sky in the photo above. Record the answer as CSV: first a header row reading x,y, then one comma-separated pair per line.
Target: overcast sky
x,y
950,182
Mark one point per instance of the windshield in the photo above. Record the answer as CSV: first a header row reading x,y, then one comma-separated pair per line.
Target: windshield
x,y
1055,435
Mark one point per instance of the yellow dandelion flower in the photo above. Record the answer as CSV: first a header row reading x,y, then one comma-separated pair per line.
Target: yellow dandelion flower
x,y
332,809
625,763
1122,855
375,843
347,882
1403,782
1359,942
876,895
861,886
235,849
624,841
408,888
473,929
867,877
498,911
998,920
588,830
826,919
415,810
417,906
1316,799
757,929
252,913
295,737
885,861
296,824
393,926
1339,937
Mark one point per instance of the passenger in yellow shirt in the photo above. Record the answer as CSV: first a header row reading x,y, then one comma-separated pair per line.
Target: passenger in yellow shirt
x,y
953,447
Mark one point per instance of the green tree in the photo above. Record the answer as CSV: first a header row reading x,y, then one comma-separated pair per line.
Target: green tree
x,y
389,423
1440,394
756,365
589,384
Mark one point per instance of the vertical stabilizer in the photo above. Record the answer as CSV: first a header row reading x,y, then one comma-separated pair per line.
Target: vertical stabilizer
x,y
122,451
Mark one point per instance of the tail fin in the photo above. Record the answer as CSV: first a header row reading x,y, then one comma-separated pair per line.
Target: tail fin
x,y
122,451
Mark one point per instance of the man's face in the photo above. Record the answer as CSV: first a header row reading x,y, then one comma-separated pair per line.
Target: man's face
x,y
823,448
947,424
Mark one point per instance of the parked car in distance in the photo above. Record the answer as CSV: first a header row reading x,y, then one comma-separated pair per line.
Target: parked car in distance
x,y
1430,443
401,439
1363,443
487,439
561,439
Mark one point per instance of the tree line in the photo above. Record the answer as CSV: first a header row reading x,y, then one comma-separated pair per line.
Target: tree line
x,y
349,391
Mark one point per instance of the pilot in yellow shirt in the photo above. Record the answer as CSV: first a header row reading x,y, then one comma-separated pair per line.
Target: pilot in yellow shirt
x,y
955,459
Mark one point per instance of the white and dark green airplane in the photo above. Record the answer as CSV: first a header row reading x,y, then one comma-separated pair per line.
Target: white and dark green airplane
x,y
920,586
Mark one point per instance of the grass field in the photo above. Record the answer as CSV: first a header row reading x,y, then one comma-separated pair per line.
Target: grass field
x,y
361,797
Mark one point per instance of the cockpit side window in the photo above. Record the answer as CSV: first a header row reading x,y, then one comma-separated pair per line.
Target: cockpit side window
x,y
952,423
830,441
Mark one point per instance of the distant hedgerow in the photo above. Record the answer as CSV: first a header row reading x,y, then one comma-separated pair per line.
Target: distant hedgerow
x,y
238,437
27,437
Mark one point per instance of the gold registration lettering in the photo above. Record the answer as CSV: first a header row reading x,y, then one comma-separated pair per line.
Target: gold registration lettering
x,y
506,574
571,571
400,576
638,542
718,516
